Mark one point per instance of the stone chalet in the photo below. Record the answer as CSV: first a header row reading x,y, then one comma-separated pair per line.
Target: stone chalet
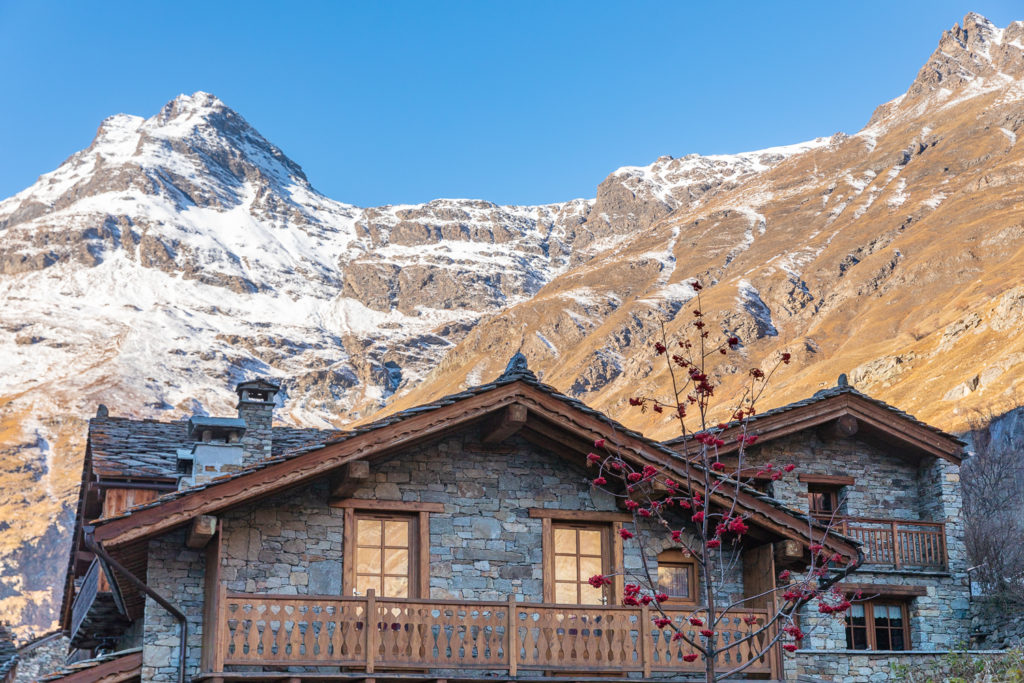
x,y
226,549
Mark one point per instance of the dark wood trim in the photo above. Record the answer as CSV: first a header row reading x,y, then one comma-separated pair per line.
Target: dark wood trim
x,y
884,590
349,478
867,413
869,621
121,669
419,548
423,552
348,565
828,479
611,552
618,565
505,424
211,602
548,561
674,557
201,531
580,515
387,505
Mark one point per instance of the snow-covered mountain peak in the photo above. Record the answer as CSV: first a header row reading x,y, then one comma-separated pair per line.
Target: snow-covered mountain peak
x,y
677,181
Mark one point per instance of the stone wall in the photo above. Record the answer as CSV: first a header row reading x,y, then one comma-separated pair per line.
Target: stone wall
x,y
857,666
175,572
884,485
996,624
484,546
888,487
42,657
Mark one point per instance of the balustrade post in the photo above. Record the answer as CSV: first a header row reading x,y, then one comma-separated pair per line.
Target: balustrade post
x,y
220,637
371,628
513,637
645,637
895,545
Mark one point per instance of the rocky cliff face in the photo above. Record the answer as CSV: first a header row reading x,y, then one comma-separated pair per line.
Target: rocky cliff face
x,y
180,253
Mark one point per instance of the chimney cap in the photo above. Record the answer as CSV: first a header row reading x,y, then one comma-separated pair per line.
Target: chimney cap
x,y
218,425
259,384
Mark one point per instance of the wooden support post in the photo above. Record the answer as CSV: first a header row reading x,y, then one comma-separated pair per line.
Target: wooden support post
x,y
788,552
645,637
513,637
895,545
220,650
351,477
201,531
508,422
843,427
371,628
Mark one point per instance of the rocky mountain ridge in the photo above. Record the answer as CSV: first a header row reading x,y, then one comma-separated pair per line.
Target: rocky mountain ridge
x,y
180,253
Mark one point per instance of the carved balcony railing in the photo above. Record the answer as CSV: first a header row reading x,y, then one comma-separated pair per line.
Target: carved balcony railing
x,y
381,634
900,543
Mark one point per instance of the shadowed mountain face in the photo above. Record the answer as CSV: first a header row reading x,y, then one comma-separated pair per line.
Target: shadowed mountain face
x,y
180,253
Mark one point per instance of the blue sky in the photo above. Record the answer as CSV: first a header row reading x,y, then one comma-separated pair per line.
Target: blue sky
x,y
515,102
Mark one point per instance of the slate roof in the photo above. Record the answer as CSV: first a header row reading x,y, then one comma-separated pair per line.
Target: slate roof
x,y
832,392
125,448
517,371
86,664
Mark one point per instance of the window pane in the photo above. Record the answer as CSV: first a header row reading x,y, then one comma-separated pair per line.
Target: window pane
x,y
565,540
396,586
882,639
857,638
396,562
590,566
368,532
368,560
820,502
590,542
590,595
857,615
565,568
566,592
674,580
365,583
396,533
897,640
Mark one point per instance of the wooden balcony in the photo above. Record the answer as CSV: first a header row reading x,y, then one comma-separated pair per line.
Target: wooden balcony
x,y
899,543
504,639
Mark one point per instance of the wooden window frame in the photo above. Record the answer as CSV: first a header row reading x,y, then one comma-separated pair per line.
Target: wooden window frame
x,y
419,543
833,492
608,523
674,558
869,623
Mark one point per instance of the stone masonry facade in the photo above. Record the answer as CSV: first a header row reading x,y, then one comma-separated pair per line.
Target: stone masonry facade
x,y
886,486
484,546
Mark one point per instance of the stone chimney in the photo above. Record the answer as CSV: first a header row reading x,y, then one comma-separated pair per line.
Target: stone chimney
x,y
256,407
216,449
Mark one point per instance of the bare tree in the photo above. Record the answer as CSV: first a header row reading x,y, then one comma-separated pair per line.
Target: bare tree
x,y
992,481
699,506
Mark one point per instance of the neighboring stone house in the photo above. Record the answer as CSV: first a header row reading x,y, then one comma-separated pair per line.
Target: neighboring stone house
x,y
8,655
469,527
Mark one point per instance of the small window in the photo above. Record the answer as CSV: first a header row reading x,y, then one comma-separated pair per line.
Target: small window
x,y
580,551
878,625
383,555
822,499
677,578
